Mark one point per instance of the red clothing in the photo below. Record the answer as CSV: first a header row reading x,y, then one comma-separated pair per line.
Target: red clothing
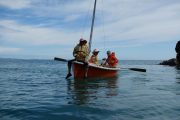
x,y
112,60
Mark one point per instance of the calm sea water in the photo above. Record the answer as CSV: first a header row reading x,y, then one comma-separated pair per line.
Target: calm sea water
x,y
37,90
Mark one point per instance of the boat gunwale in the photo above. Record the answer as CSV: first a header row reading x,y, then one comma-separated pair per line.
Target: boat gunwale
x,y
98,67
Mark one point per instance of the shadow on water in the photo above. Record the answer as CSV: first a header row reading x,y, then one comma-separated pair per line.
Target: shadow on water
x,y
84,91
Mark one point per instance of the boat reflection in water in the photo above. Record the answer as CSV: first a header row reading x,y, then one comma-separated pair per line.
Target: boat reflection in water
x,y
87,90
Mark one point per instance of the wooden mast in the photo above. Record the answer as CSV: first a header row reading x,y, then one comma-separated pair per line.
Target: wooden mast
x,y
92,26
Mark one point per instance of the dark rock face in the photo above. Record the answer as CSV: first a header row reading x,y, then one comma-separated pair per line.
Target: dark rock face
x,y
170,62
177,48
173,61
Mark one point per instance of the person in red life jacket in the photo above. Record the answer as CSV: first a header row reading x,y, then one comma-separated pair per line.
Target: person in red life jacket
x,y
94,57
112,60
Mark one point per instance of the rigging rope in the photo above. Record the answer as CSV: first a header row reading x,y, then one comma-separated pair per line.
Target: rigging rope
x,y
86,20
103,18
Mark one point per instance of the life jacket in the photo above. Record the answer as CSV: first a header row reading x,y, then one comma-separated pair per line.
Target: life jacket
x,y
112,60
81,52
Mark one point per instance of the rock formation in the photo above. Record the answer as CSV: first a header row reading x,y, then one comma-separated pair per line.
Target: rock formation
x,y
173,61
178,53
170,62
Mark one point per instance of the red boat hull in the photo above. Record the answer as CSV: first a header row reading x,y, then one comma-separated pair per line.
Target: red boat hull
x,y
93,71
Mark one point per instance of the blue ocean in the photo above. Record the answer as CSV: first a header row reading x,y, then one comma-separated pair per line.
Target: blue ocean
x,y
38,90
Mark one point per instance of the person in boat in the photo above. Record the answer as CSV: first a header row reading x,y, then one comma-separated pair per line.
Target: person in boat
x,y
80,53
103,62
108,57
94,57
112,61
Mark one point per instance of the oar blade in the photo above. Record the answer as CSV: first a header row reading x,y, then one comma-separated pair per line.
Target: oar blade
x,y
138,69
60,59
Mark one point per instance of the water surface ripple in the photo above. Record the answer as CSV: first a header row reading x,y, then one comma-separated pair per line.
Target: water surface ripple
x,y
37,90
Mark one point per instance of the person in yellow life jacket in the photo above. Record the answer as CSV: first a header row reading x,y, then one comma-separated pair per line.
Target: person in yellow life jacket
x,y
94,57
81,53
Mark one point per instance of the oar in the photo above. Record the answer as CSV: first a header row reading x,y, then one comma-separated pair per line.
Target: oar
x,y
136,69
60,59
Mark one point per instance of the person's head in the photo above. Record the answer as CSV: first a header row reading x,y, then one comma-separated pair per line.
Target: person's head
x,y
82,41
104,59
113,53
108,52
95,52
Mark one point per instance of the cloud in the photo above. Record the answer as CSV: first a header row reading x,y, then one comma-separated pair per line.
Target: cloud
x,y
71,18
143,25
15,4
122,23
9,50
162,24
60,8
12,31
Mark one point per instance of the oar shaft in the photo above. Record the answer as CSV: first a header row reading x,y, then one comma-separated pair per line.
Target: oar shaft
x,y
136,69
60,59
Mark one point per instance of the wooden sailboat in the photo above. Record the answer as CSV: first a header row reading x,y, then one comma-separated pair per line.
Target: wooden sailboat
x,y
93,70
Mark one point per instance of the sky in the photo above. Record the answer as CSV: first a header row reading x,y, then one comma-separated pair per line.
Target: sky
x,y
133,29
